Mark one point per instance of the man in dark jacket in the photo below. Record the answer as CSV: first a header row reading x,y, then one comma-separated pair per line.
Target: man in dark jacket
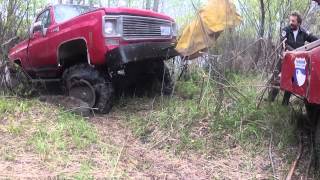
x,y
293,36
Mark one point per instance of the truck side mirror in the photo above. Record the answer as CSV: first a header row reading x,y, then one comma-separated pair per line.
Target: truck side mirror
x,y
37,27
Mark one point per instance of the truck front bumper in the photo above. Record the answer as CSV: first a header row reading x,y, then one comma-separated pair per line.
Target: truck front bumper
x,y
139,52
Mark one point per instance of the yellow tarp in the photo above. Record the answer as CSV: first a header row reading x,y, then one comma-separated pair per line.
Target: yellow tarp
x,y
213,18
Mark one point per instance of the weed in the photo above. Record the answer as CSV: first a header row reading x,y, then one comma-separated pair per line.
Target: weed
x,y
85,171
67,131
14,128
7,154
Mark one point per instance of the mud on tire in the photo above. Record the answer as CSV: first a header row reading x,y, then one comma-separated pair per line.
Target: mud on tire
x,y
16,80
85,76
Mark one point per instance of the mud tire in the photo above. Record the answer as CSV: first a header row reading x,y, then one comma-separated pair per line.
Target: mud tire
x,y
101,84
313,113
17,81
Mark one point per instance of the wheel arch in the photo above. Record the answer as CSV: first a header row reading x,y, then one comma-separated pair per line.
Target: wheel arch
x,y
73,51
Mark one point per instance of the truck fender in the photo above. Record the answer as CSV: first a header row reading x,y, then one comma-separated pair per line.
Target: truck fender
x,y
69,42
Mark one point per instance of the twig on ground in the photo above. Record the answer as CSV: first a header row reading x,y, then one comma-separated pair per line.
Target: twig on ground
x,y
295,162
270,156
118,159
80,107
162,140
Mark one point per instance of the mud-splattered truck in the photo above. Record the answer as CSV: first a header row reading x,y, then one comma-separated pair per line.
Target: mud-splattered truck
x,y
87,49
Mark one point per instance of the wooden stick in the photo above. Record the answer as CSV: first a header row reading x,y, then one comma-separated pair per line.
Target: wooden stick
x,y
270,156
295,162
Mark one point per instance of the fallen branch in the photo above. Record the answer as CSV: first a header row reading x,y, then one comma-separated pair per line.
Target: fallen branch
x,y
118,159
271,159
159,142
295,162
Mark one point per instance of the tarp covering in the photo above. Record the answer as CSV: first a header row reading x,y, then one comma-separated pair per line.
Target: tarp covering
x,y
213,18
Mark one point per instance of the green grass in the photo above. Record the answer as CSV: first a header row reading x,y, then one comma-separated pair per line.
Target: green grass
x,y
48,131
68,131
85,171
183,115
58,131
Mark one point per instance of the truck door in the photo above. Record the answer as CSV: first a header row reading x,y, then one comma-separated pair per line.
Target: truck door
x,y
39,48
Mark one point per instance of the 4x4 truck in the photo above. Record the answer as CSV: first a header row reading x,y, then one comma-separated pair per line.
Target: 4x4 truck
x,y
89,50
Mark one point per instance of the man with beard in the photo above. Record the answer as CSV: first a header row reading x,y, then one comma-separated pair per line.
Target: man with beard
x,y
293,36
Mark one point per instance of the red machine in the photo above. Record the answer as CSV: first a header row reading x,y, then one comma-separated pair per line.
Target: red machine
x,y
90,50
300,73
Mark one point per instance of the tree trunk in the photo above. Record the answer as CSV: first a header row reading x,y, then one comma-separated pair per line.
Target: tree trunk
x,y
156,5
70,1
148,4
60,1
81,1
261,32
91,3
263,18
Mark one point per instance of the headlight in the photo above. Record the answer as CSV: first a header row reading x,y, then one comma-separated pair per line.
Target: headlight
x,y
111,26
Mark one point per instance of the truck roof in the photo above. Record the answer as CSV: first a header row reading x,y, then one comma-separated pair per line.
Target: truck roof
x,y
121,10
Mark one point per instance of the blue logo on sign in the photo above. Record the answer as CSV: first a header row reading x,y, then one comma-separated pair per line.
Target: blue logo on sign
x,y
300,71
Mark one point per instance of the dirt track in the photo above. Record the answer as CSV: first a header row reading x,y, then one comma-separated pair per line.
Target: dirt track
x,y
140,161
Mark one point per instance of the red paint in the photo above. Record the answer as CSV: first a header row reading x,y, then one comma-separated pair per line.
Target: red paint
x,y
314,87
310,90
42,51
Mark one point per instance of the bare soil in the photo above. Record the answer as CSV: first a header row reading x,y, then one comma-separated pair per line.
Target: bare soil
x,y
141,161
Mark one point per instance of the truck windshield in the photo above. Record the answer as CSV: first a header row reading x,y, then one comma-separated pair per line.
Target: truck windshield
x,y
65,12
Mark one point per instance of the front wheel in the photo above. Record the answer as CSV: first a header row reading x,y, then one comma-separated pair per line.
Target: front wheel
x,y
91,86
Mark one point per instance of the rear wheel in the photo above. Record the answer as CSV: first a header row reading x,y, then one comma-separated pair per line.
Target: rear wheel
x,y
17,81
317,146
313,117
91,86
145,78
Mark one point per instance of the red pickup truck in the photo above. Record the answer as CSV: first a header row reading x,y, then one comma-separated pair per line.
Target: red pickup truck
x,y
87,49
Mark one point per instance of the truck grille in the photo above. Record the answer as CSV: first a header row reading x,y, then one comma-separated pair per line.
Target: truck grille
x,y
137,27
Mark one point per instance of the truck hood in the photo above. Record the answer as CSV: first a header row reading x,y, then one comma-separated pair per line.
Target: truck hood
x,y
137,12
